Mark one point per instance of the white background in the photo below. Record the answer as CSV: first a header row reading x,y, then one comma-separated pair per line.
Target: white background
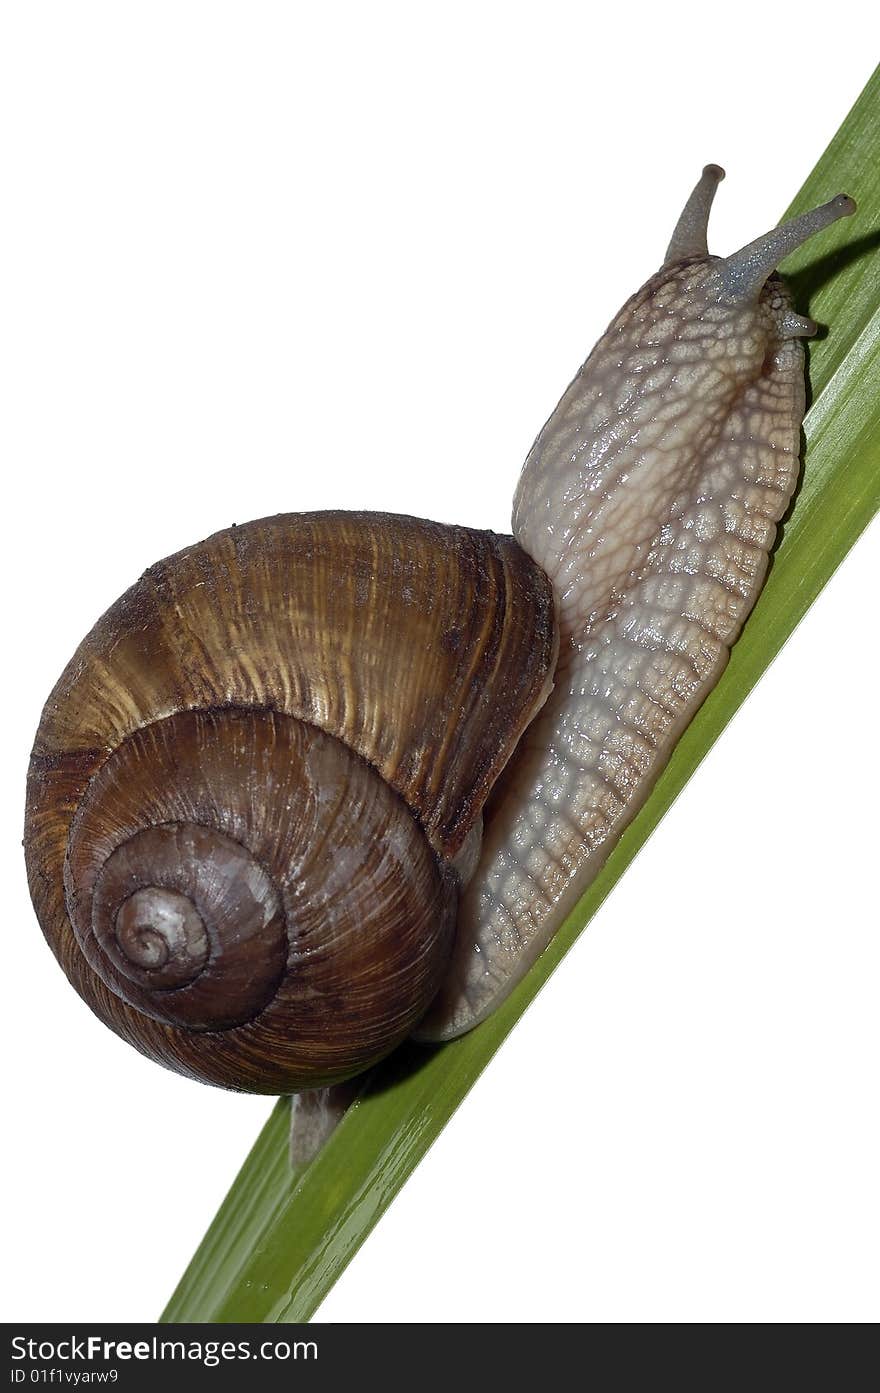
x,y
275,257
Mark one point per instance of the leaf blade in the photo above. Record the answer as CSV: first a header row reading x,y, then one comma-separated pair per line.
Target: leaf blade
x,y
280,1241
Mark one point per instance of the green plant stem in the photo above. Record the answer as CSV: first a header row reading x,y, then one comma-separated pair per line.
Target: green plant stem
x,y
279,1241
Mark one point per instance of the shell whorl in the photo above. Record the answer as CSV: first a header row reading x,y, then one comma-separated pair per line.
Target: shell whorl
x,y
171,920
253,784
235,877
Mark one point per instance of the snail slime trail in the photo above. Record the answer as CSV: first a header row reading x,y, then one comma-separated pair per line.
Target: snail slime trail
x,y
264,851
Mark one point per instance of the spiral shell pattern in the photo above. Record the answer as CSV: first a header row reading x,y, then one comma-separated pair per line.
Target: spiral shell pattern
x,y
217,883
255,786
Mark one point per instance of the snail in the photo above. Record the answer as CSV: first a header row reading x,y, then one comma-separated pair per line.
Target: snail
x,y
324,781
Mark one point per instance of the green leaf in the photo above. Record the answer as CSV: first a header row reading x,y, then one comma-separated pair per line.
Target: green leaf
x,y
279,1241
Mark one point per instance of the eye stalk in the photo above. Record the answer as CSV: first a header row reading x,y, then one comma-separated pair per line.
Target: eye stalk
x,y
691,230
742,276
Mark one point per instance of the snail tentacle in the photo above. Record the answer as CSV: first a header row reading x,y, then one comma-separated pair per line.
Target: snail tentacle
x,y
743,275
692,229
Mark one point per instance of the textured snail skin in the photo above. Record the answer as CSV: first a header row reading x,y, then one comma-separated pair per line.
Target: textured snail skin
x,y
665,469
256,786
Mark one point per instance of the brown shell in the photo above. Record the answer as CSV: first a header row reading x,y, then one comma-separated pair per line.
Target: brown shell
x,y
424,647
309,896
421,650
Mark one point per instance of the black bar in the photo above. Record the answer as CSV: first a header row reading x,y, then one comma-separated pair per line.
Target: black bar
x,y
132,1358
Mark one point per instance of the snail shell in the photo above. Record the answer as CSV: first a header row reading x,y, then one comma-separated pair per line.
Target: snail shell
x,y
255,786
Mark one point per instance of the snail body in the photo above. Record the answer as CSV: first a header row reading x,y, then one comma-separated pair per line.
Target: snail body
x,y
666,466
255,804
